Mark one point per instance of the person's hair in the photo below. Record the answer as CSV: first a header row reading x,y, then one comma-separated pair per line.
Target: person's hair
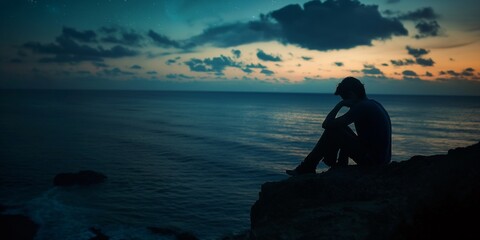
x,y
350,84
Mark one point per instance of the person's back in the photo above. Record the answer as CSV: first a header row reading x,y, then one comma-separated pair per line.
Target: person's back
x,y
373,127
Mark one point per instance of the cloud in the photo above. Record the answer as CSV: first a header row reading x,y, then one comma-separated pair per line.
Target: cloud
x,y
452,45
404,62
66,49
323,26
267,72
425,62
152,72
393,1
172,61
100,64
334,25
267,57
258,65
235,34
196,65
179,76
425,22
163,41
416,52
215,64
426,13
427,29
85,36
338,64
247,70
409,73
237,53
453,73
136,67
371,70
124,37
307,58
428,74
468,72
116,72
391,12
219,63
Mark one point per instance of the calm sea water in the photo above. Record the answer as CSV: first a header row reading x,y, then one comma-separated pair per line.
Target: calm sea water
x,y
188,160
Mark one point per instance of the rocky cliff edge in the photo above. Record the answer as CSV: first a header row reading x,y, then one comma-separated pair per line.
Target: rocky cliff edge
x,y
421,198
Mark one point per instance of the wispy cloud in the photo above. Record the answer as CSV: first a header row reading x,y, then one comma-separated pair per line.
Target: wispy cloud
x,y
426,13
371,70
267,57
427,29
418,54
425,22
214,65
162,40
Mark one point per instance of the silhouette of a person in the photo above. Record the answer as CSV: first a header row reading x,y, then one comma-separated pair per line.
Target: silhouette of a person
x,y
371,145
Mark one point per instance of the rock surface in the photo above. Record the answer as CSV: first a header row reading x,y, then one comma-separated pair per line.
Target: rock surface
x,y
424,197
80,178
98,234
17,227
172,232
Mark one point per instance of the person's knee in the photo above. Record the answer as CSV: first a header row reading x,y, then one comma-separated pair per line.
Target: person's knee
x,y
333,132
339,129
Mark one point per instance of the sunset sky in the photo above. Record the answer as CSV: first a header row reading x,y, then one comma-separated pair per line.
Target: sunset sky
x,y
393,46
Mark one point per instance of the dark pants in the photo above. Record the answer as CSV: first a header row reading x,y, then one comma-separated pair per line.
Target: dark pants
x,y
337,142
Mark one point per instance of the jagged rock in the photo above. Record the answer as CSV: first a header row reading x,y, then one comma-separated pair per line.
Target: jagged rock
x,y
80,178
178,234
17,227
426,196
98,234
240,236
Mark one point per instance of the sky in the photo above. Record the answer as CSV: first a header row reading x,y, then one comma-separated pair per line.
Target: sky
x,y
392,46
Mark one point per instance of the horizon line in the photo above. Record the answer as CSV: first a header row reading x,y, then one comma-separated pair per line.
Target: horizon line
x,y
222,91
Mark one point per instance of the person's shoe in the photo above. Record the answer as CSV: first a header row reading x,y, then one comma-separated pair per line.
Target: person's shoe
x,y
299,171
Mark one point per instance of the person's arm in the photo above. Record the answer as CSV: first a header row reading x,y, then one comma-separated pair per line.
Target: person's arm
x,y
332,115
332,121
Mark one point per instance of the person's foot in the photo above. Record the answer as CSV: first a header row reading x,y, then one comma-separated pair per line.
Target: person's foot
x,y
301,169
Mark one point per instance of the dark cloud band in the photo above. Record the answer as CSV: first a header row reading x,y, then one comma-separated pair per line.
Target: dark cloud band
x,y
335,25
329,25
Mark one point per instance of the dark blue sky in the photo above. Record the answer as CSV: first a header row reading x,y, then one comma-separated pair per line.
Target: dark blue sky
x,y
394,46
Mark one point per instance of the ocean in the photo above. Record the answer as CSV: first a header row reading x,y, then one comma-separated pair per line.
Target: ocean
x,y
193,161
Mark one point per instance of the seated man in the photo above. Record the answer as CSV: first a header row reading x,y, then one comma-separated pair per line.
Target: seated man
x,y
370,146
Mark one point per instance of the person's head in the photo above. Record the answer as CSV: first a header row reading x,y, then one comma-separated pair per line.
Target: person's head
x,y
351,87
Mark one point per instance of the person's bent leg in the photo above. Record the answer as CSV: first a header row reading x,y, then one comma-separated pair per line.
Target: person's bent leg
x,y
351,144
334,155
325,147
342,158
